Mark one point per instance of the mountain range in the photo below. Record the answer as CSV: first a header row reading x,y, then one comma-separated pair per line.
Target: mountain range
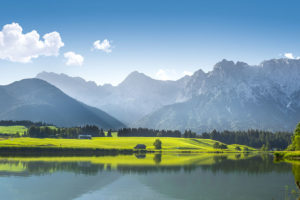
x,y
233,96
37,100
137,96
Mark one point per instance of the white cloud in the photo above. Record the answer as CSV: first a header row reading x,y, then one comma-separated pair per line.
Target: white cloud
x,y
162,75
187,73
103,46
170,74
19,47
289,55
73,59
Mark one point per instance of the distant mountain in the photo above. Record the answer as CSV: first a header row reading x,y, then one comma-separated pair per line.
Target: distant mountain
x,y
37,100
132,99
234,96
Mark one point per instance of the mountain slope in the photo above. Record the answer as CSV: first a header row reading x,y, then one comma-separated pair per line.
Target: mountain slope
x,y
236,96
132,99
37,100
232,96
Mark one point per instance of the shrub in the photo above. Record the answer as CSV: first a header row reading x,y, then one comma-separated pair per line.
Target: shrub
x,y
279,155
217,145
238,148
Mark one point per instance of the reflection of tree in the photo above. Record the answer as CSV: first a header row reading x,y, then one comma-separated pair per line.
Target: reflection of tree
x,y
157,158
140,155
147,169
253,165
77,167
219,159
296,172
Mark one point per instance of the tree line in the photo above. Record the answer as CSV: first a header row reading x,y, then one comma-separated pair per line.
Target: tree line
x,y
145,132
253,138
74,132
26,123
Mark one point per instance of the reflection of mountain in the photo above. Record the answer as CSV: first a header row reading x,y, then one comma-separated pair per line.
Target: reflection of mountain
x,y
218,177
246,179
207,185
56,186
126,188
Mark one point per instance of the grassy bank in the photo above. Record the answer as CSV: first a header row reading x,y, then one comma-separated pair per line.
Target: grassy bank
x,y
287,155
114,143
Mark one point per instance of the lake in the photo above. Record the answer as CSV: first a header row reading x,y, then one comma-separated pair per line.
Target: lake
x,y
151,176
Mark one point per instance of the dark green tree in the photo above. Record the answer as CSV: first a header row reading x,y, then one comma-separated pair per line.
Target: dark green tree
x,y
101,133
109,133
157,144
295,139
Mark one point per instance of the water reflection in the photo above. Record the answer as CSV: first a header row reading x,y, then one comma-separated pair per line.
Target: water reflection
x,y
163,176
188,163
157,158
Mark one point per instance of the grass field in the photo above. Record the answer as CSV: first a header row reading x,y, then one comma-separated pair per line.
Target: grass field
x,y
121,143
17,129
12,129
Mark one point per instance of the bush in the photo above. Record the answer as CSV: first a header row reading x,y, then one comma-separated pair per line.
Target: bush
x,y
279,155
217,145
238,148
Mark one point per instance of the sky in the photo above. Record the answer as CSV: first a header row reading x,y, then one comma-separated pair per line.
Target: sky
x,y
104,41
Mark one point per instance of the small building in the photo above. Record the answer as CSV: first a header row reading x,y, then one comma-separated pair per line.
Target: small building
x,y
140,146
85,137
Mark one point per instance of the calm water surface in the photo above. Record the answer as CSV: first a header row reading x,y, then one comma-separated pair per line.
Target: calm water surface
x,y
209,177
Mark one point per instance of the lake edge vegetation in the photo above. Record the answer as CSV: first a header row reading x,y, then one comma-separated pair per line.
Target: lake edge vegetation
x,y
264,140
293,150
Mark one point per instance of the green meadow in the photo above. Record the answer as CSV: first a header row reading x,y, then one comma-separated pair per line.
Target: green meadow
x,y
120,143
17,129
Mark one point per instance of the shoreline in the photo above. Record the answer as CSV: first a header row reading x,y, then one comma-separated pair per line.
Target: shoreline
x,y
287,155
57,151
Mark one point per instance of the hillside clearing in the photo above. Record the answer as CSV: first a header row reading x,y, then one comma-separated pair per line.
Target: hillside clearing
x,y
12,129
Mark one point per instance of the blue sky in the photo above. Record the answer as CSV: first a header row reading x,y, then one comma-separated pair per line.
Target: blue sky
x,y
163,39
